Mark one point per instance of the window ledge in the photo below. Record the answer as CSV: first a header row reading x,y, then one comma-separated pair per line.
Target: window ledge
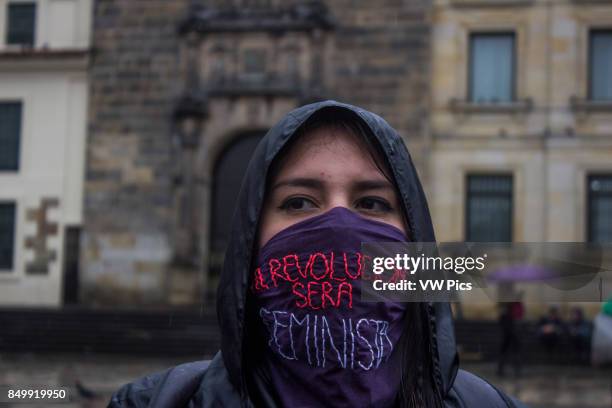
x,y
8,275
587,105
491,3
518,106
579,2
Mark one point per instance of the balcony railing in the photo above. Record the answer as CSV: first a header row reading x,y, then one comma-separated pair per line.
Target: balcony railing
x,y
588,105
465,106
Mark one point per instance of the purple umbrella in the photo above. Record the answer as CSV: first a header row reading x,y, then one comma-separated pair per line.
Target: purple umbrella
x,y
522,273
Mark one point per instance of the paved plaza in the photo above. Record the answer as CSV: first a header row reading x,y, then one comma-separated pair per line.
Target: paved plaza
x,y
554,386
539,386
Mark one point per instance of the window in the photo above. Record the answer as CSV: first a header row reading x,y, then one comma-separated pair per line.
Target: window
x,y
599,208
7,235
489,208
254,61
10,134
492,67
600,65
21,22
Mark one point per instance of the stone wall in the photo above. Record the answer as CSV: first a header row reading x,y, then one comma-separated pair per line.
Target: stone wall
x,y
382,61
134,83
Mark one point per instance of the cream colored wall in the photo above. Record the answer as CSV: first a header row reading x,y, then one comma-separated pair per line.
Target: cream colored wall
x,y
53,93
550,149
552,50
51,165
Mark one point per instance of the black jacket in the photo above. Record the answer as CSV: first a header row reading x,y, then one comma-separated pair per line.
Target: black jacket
x,y
221,382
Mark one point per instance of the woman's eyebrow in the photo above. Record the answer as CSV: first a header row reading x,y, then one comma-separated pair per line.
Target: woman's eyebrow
x,y
299,182
372,185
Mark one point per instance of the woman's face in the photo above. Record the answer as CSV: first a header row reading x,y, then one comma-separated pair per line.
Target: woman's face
x,y
324,169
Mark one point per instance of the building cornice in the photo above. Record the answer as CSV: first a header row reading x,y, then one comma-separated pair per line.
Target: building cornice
x,y
44,60
490,3
297,17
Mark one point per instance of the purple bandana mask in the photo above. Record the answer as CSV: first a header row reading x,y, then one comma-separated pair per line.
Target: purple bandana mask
x,y
324,345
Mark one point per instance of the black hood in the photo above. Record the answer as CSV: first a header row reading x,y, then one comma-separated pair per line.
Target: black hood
x,y
232,291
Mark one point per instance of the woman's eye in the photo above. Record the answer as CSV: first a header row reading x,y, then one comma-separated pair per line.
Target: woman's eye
x,y
374,204
297,204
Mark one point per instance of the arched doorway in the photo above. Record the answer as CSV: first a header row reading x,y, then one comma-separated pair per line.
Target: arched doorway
x,y
228,172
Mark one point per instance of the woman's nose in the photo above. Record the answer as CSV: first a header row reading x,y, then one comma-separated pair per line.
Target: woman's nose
x,y
338,200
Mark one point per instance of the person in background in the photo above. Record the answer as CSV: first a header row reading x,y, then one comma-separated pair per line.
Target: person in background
x,y
550,330
510,348
580,331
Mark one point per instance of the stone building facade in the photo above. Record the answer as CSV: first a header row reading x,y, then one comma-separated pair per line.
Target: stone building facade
x,y
521,113
504,105
134,82
180,94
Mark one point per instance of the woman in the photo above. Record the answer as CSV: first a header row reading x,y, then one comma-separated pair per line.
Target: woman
x,y
294,329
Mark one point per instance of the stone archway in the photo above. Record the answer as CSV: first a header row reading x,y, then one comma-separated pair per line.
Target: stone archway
x,y
245,66
219,146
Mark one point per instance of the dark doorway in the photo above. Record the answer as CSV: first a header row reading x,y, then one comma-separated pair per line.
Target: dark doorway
x,y
228,173
71,265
